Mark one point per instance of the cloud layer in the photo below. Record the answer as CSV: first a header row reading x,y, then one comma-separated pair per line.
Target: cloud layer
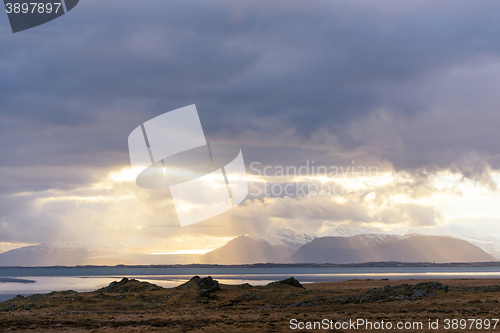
x,y
409,87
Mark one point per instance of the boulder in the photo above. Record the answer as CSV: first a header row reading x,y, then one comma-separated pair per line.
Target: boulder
x,y
290,281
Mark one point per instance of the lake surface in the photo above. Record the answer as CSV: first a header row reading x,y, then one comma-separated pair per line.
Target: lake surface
x,y
45,280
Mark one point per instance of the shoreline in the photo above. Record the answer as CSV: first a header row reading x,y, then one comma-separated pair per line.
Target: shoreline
x,y
277,265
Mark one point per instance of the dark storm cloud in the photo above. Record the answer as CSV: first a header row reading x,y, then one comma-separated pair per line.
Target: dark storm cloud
x,y
71,98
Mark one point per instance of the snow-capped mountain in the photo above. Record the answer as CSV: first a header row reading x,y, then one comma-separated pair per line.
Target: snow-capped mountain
x,y
348,232
249,249
488,244
277,247
286,238
357,244
56,254
364,248
282,244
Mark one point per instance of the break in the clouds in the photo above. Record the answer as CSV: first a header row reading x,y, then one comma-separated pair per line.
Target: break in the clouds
x,y
409,87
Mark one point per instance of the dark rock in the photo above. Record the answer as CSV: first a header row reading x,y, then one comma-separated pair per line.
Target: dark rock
x,y
486,289
419,293
290,281
296,304
318,299
432,285
250,296
10,307
128,285
400,292
311,302
209,284
206,285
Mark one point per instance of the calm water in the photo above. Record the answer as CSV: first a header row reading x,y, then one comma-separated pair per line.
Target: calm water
x,y
91,278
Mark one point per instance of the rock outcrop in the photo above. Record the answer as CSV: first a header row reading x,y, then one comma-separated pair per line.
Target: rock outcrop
x,y
290,281
395,293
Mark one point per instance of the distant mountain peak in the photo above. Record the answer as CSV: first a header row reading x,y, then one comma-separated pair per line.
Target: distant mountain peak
x,y
285,237
350,231
487,243
48,254
372,248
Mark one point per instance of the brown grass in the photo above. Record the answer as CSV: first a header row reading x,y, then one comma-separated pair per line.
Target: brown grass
x,y
146,308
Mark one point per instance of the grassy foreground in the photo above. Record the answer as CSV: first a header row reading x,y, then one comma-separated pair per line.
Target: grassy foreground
x,y
202,305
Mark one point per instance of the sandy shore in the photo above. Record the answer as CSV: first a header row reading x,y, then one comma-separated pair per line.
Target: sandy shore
x,y
133,306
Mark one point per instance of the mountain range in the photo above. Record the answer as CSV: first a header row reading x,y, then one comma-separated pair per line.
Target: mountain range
x,y
340,245
259,249
487,243
372,248
56,254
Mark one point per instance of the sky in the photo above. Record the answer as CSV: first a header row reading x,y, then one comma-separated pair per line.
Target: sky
x,y
406,88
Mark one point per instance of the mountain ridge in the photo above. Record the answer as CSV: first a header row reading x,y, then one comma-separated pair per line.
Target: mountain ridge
x,y
416,248
278,247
